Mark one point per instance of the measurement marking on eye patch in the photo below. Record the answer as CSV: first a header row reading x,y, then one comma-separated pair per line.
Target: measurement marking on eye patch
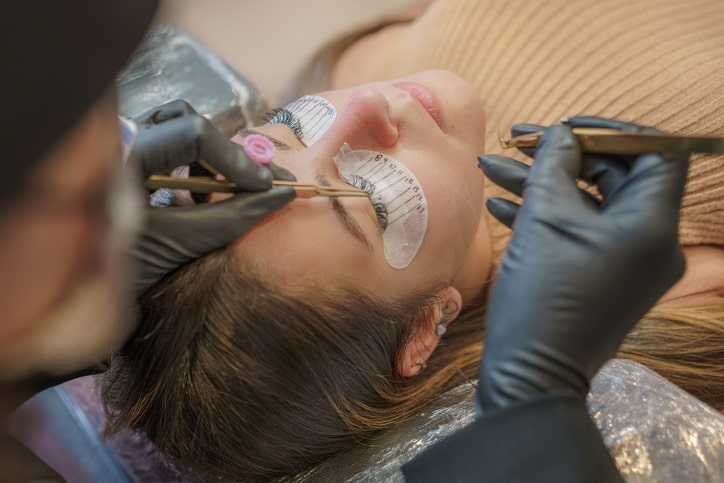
x,y
396,190
402,215
372,171
370,175
315,115
403,203
396,198
391,171
317,122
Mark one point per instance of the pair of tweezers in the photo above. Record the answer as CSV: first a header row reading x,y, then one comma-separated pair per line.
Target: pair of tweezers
x,y
204,184
614,141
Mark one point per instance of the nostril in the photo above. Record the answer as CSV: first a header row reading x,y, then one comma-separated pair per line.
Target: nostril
x,y
368,119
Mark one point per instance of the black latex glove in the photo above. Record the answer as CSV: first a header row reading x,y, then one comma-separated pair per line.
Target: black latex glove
x,y
174,135
605,170
577,274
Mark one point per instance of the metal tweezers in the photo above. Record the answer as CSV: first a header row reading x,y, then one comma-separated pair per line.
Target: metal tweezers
x,y
614,141
204,184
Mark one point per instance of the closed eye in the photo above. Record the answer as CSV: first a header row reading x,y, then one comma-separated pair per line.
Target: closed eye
x,y
286,117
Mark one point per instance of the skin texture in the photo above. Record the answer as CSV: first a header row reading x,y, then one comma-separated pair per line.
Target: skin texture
x,y
51,242
703,281
370,58
381,117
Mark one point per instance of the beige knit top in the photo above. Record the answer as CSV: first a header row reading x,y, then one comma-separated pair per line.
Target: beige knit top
x,y
654,62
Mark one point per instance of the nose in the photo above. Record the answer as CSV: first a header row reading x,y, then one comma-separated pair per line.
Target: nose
x,y
364,123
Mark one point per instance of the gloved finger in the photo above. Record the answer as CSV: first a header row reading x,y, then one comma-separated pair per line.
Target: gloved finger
x,y
646,208
243,211
178,235
503,210
606,172
651,194
202,228
556,166
163,113
505,172
280,173
188,139
522,129
525,128
599,122
605,123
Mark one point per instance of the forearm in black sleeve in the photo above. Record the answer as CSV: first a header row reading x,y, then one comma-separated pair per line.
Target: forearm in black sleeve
x,y
552,439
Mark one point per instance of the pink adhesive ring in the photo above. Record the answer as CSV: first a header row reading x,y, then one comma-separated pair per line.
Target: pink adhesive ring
x,y
259,148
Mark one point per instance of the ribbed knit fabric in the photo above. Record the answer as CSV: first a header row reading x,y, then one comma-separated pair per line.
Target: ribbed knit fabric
x,y
653,62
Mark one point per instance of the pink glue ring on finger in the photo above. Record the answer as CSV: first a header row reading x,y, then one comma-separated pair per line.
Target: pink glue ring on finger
x,y
259,149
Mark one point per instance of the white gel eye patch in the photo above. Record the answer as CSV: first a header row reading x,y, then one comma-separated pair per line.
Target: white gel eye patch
x,y
396,195
315,114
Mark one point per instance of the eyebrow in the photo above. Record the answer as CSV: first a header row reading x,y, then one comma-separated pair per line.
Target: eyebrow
x,y
349,223
276,142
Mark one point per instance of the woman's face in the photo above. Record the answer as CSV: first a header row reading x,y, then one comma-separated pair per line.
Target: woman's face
x,y
432,123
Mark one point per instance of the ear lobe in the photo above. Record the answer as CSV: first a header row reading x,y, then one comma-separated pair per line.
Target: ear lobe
x,y
412,357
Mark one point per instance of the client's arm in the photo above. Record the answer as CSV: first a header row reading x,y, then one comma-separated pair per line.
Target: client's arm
x,y
576,277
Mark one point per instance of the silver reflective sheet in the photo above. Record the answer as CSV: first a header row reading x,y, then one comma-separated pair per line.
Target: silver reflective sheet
x,y
654,431
170,64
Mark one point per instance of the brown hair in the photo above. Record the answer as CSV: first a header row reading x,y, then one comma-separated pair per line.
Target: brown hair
x,y
684,344
237,379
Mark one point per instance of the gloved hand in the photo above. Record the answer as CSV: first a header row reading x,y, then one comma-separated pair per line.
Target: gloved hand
x,y
172,135
605,170
578,274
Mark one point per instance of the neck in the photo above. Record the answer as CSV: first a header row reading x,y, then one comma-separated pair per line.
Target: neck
x,y
367,60
703,281
474,273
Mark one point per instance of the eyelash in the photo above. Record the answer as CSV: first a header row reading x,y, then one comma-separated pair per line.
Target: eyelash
x,y
286,117
380,208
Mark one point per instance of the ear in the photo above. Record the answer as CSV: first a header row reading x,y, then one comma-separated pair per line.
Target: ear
x,y
412,357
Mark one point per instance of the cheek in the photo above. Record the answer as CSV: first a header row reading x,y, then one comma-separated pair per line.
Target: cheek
x,y
309,259
38,269
452,182
454,192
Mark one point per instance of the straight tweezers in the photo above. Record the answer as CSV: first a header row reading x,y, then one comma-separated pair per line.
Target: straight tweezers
x,y
614,141
204,184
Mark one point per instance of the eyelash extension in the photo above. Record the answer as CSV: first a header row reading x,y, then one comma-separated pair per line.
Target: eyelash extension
x,y
377,203
286,117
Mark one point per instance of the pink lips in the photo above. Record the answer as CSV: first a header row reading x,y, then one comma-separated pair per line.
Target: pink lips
x,y
427,100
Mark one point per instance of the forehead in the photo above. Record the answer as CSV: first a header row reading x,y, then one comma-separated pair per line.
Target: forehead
x,y
303,245
303,248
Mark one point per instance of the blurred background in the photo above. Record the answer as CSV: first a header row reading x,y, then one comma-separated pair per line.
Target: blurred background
x,y
268,41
